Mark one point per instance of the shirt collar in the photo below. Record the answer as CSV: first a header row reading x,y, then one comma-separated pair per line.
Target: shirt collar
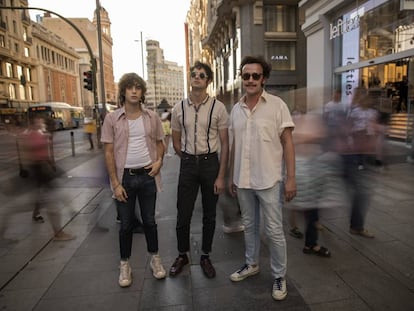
x,y
205,101
264,97
121,112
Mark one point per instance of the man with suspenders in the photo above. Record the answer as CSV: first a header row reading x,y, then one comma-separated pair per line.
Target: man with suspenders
x,y
200,138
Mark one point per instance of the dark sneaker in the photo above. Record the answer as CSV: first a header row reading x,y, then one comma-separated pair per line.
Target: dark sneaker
x,y
207,267
296,233
279,290
178,265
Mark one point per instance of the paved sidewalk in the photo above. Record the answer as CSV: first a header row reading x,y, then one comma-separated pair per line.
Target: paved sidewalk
x,y
37,273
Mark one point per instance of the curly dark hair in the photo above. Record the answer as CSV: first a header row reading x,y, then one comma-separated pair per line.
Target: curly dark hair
x,y
267,67
129,80
199,65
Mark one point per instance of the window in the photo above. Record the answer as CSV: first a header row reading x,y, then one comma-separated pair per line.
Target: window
x,y
281,55
2,41
9,70
12,91
30,93
28,74
25,36
22,92
280,18
26,52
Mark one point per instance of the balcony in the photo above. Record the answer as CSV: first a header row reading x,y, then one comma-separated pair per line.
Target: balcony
x,y
25,18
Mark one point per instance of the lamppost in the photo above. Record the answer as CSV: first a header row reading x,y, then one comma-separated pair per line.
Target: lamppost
x,y
142,55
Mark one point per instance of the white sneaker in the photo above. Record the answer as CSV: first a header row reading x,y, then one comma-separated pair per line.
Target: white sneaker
x,y
158,270
232,229
125,274
279,291
244,272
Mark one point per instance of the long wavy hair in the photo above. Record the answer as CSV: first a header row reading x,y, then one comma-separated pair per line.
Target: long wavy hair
x,y
128,80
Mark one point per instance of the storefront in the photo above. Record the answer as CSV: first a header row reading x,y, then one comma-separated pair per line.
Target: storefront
x,y
368,45
373,48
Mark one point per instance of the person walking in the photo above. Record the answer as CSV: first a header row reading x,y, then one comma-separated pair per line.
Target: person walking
x,y
261,127
134,150
199,131
89,127
38,152
166,125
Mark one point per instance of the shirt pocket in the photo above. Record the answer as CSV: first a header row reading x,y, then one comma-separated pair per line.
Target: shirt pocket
x,y
266,131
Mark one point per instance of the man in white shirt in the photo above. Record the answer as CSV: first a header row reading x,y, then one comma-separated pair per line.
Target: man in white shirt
x,y
261,127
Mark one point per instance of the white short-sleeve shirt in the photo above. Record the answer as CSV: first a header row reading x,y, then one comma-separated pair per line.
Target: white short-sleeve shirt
x,y
258,149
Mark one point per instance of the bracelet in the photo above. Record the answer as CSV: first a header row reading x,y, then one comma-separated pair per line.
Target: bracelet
x,y
117,186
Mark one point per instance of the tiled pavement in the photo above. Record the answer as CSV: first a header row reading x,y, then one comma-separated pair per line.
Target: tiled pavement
x,y
39,274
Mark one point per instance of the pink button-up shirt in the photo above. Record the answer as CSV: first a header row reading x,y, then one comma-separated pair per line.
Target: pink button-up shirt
x,y
115,130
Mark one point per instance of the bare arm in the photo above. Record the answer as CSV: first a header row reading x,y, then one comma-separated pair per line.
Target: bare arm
x,y
220,183
289,157
156,166
176,139
231,185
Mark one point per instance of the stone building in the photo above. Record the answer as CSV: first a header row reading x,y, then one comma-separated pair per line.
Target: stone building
x,y
223,32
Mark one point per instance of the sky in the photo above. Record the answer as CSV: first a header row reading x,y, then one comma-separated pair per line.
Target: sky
x,y
161,20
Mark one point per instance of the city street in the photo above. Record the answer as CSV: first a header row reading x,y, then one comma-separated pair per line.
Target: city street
x,y
37,273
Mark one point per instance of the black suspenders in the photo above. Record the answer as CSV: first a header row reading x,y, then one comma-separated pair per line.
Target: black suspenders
x,y
210,119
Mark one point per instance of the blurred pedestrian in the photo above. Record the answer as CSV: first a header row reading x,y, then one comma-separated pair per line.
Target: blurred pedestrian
x,y
42,168
89,126
199,131
261,127
134,150
314,178
166,126
357,140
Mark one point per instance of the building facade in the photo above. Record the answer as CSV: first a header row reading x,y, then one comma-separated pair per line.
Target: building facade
x,y
89,30
57,69
18,85
223,32
165,83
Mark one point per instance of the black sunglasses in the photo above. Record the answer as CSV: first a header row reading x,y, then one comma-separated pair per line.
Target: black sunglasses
x,y
256,76
201,75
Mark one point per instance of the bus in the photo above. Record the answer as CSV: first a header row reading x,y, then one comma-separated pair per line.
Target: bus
x,y
64,116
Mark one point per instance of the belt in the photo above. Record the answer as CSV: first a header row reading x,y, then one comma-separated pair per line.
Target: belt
x,y
204,156
137,171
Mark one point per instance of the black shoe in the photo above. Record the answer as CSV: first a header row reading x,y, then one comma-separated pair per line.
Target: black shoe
x,y
178,265
207,267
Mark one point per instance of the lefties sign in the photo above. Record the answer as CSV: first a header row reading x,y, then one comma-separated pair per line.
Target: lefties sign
x,y
343,25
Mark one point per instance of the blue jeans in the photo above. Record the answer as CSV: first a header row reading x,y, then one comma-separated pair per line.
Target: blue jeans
x,y
143,188
267,201
356,184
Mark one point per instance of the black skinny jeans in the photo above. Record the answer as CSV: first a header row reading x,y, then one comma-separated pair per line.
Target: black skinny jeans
x,y
144,188
195,172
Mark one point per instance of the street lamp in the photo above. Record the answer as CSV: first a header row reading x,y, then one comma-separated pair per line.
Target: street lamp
x,y
142,54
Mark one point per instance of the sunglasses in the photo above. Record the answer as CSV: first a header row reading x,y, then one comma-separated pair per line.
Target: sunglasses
x,y
201,75
256,76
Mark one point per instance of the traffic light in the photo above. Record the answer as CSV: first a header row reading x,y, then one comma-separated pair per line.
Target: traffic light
x,y
88,80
